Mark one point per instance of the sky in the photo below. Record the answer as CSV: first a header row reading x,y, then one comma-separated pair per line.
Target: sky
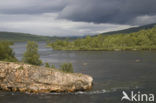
x,y
74,17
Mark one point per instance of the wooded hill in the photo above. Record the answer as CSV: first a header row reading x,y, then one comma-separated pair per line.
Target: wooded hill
x,y
144,39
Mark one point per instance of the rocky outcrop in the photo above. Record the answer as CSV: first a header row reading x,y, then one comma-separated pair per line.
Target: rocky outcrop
x,y
35,79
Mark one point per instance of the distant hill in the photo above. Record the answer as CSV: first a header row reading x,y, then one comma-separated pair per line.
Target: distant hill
x,y
131,30
13,36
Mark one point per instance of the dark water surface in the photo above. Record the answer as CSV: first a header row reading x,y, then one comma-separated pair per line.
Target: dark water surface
x,y
112,71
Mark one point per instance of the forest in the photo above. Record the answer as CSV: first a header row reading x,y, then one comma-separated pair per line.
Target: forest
x,y
144,39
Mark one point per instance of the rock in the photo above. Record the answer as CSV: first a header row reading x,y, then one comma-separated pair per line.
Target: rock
x,y
28,78
84,64
138,60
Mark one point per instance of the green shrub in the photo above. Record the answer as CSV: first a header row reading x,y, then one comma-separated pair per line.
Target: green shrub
x,y
67,67
21,68
6,53
52,66
47,65
31,55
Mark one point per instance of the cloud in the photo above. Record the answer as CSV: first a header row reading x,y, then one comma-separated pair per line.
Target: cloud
x,y
108,11
96,11
47,24
31,6
142,20
74,17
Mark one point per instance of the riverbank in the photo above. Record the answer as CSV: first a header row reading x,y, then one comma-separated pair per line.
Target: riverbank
x,y
137,48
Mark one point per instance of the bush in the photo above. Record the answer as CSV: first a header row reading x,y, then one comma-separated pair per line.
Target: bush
x,y
47,65
67,67
31,55
6,53
52,66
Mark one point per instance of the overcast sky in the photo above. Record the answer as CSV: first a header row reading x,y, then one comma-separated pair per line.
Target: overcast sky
x,y
74,17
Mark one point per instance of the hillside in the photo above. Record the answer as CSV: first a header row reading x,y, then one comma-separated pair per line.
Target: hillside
x,y
131,30
13,36
144,39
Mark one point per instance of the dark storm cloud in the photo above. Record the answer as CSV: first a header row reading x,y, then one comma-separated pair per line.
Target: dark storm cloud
x,y
108,11
96,11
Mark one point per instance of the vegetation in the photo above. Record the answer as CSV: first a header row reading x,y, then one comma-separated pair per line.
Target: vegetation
x,y
52,66
47,65
67,67
21,68
12,36
31,55
141,40
6,53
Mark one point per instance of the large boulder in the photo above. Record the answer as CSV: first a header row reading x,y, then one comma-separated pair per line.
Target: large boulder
x,y
28,78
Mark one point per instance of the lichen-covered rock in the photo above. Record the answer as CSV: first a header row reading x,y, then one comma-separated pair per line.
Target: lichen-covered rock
x,y
29,78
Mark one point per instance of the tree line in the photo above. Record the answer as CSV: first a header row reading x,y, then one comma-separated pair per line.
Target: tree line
x,y
30,56
141,40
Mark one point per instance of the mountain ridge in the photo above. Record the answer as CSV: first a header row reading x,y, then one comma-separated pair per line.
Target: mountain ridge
x,y
130,30
17,36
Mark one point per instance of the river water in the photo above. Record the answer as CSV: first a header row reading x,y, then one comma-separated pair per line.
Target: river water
x,y
113,72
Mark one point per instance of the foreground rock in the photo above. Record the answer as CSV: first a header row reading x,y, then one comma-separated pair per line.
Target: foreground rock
x,y
28,78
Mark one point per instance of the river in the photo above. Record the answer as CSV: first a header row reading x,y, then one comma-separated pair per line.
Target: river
x,y
113,72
